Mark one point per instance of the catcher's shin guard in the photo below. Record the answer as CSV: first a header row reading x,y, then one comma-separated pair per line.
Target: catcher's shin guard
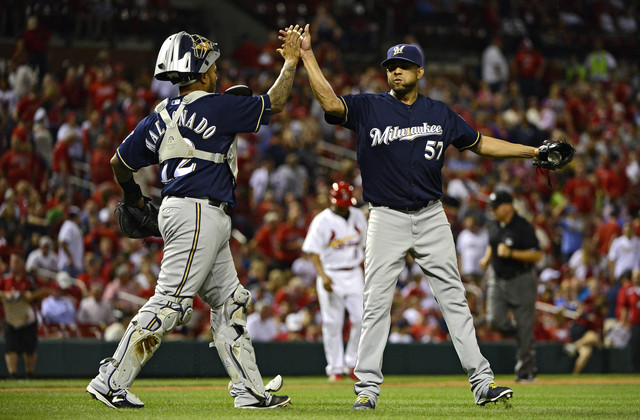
x,y
142,338
234,346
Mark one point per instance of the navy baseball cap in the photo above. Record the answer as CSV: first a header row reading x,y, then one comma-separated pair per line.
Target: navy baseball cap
x,y
406,52
500,197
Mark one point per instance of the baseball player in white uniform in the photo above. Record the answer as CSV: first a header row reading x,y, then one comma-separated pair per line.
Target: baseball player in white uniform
x,y
335,243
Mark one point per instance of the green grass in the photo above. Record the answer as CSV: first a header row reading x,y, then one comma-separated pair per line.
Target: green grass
x,y
403,397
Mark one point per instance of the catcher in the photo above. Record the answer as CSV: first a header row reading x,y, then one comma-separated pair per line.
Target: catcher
x,y
192,138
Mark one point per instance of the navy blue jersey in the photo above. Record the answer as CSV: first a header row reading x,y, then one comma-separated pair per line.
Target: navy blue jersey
x,y
211,124
401,147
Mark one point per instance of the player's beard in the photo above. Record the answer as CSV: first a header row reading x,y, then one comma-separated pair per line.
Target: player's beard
x,y
403,88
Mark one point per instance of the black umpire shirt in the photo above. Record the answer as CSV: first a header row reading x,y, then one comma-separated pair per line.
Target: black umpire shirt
x,y
517,235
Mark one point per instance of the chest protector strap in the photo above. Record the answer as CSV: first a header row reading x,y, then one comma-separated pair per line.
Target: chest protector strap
x,y
174,145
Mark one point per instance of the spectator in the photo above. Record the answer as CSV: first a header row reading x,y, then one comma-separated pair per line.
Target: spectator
x,y
36,41
471,245
22,78
599,63
586,332
58,309
94,309
572,232
43,262
18,292
18,163
263,242
289,236
42,138
290,177
92,271
70,244
529,67
624,253
261,324
630,317
495,69
123,291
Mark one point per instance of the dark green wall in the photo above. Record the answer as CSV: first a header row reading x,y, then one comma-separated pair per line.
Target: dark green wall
x,y
80,358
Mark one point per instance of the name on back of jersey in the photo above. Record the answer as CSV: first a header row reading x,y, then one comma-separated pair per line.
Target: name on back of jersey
x,y
189,120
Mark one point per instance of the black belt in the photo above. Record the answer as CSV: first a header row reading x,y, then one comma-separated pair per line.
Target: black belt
x,y
408,209
223,205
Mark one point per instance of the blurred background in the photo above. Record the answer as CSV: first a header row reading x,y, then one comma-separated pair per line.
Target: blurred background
x,y
77,76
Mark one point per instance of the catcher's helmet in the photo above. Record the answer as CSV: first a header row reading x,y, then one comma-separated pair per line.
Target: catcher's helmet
x,y
342,194
183,57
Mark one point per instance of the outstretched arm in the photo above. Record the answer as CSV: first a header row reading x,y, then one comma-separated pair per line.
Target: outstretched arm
x,y
490,146
321,88
290,50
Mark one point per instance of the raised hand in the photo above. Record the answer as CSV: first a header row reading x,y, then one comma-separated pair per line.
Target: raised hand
x,y
291,38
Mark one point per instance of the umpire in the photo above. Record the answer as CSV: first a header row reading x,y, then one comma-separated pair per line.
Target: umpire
x,y
512,251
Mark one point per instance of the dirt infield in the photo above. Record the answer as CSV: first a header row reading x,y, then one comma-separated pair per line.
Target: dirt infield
x,y
539,382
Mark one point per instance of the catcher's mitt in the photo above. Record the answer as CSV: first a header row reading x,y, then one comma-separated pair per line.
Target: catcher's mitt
x,y
554,155
138,223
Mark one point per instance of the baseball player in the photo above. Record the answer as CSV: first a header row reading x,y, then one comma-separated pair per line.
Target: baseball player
x,y
335,244
192,138
401,141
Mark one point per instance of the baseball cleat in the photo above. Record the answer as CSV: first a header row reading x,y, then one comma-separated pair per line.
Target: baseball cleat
x,y
277,401
363,403
119,399
274,385
496,393
336,377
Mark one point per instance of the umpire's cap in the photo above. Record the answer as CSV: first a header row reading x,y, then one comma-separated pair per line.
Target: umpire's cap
x,y
500,197
406,52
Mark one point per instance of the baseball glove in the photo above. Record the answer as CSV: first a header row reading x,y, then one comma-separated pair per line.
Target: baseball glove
x,y
138,223
554,155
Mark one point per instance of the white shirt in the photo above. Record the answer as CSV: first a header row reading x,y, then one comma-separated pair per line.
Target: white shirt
x,y
37,259
339,242
261,330
70,234
471,247
494,65
95,313
625,252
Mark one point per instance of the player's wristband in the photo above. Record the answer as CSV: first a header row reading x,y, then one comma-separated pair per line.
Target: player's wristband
x,y
132,192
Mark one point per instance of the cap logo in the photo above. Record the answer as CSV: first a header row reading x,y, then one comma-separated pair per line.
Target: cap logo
x,y
398,50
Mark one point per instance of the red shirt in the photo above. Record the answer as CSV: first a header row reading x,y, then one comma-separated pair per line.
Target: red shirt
x,y
581,193
605,234
289,240
16,166
631,300
9,282
100,92
528,63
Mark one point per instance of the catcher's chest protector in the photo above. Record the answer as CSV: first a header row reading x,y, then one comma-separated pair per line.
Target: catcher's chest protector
x,y
173,145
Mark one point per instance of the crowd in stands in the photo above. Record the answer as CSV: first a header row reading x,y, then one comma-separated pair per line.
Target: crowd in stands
x,y
58,131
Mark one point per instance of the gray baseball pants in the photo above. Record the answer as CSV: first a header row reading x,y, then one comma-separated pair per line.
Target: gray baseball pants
x,y
518,294
426,234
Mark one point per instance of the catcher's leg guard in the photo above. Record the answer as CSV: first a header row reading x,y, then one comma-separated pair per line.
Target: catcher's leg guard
x,y
142,338
228,324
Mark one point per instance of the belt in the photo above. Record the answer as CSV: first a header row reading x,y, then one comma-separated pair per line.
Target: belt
x,y
222,205
345,268
408,209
